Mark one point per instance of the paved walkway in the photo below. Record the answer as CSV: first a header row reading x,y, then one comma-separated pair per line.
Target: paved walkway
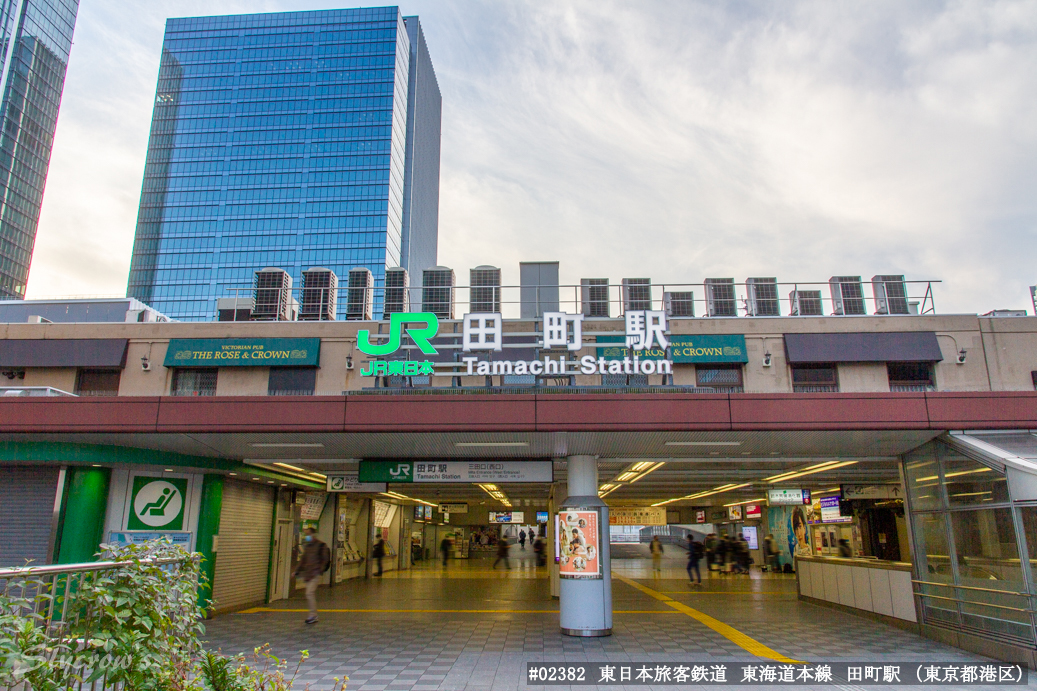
x,y
472,627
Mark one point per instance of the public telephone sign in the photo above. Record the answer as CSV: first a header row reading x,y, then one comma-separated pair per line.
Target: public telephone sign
x,y
157,502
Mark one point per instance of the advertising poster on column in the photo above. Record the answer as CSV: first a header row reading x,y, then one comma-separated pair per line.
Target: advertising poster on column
x,y
579,538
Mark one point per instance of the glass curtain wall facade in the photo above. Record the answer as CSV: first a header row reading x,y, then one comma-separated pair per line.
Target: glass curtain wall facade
x,y
974,545
35,41
281,140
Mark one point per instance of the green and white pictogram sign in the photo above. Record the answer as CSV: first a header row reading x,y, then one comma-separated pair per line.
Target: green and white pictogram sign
x,y
157,503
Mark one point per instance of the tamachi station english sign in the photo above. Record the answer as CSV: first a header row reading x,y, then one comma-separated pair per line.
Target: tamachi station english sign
x,y
645,329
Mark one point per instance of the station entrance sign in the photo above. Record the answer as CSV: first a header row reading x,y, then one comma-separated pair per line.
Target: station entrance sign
x,y
457,471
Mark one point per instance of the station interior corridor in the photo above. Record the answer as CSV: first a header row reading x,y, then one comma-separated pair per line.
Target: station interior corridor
x,y
471,626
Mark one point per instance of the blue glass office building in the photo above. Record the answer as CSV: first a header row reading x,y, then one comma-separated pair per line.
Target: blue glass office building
x,y
35,40
290,140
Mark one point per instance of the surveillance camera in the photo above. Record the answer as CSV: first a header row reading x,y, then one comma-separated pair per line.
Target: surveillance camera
x,y
145,364
961,356
767,360
349,362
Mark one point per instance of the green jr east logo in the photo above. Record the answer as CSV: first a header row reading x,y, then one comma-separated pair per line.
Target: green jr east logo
x,y
420,336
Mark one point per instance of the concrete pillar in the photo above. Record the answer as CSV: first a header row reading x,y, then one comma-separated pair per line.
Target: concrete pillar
x,y
585,599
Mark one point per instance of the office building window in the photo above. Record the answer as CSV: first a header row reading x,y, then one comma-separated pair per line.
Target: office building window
x,y
195,382
911,376
98,382
723,378
292,381
814,378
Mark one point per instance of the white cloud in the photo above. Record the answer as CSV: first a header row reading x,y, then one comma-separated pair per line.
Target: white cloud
x,y
675,140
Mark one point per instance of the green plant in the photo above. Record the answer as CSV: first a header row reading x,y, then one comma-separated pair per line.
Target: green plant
x,y
140,624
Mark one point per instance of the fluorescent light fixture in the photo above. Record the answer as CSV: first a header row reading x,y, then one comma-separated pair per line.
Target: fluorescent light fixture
x,y
650,470
489,444
716,490
321,476
624,477
971,494
748,501
966,472
286,445
638,467
797,471
813,470
291,467
606,486
703,443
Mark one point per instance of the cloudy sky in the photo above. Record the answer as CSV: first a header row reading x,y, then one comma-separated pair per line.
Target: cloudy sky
x,y
676,140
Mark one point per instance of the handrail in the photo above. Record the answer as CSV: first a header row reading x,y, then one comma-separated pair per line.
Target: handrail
x,y
54,569
973,602
968,587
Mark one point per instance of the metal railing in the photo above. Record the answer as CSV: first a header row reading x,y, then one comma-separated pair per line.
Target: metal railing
x,y
32,391
711,300
44,594
963,609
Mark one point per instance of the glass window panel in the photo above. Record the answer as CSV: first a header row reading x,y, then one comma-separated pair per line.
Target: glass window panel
x,y
934,565
968,482
195,382
292,381
93,382
923,478
988,560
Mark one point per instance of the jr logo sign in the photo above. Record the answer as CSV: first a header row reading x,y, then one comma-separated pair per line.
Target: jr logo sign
x,y
420,336
157,503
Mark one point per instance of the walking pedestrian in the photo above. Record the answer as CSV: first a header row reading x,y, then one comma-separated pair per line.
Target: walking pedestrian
x,y
657,553
502,553
770,553
522,540
444,547
378,551
694,555
315,560
711,545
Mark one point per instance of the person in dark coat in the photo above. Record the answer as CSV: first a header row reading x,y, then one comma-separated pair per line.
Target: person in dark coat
x,y
695,551
378,551
314,561
502,552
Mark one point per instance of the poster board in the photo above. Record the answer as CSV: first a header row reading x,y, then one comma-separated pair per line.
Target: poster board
x,y
579,546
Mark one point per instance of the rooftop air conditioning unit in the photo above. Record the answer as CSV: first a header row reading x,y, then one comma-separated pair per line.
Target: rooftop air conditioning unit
x,y
720,297
397,293
679,304
637,294
890,294
847,295
594,297
272,295
484,283
319,295
234,309
762,297
806,303
437,293
360,294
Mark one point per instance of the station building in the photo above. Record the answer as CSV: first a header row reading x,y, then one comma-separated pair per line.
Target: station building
x,y
904,432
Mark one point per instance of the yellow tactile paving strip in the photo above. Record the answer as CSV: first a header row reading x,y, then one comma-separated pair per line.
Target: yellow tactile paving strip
x,y
729,632
257,610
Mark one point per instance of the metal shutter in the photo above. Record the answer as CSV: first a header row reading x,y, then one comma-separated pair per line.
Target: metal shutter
x,y
26,512
243,556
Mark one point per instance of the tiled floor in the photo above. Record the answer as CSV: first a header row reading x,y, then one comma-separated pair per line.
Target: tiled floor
x,y
471,627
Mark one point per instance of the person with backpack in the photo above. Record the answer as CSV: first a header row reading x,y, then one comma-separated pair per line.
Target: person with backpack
x,y
694,555
522,539
314,561
378,552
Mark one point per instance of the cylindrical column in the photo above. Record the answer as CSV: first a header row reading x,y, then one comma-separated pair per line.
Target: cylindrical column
x,y
585,592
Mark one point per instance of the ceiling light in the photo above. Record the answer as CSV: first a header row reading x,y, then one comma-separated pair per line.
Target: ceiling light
x,y
966,472
638,467
779,476
717,490
320,476
623,477
286,445
232,474
606,486
477,444
650,470
168,470
814,470
703,443
292,467
748,501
